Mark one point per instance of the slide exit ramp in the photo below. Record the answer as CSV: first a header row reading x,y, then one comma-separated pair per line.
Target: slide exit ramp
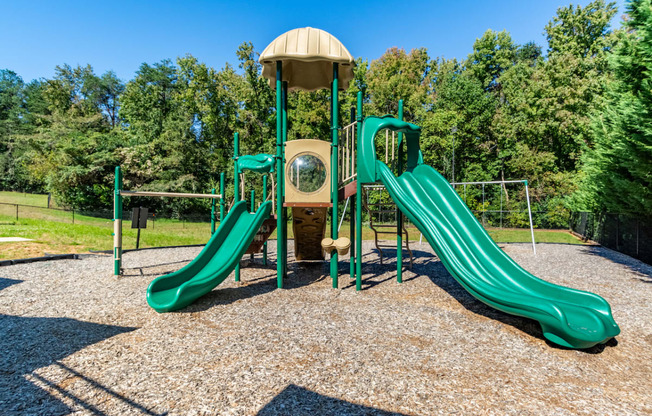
x,y
568,317
213,264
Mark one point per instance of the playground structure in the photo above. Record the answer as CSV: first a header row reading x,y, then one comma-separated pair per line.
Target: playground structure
x,y
313,176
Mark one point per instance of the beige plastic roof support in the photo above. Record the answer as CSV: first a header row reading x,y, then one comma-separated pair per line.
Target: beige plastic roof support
x,y
308,55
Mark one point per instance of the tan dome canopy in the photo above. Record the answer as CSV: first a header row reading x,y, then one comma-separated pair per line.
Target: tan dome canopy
x,y
307,55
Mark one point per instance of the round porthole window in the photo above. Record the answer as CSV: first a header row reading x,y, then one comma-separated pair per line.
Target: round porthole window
x,y
307,173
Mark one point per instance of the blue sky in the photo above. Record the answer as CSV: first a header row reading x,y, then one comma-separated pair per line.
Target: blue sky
x,y
120,35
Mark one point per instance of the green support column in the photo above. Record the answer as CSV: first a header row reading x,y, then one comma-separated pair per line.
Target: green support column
x,y
358,201
213,212
285,210
117,222
253,209
280,236
264,199
399,216
223,198
334,171
352,223
236,181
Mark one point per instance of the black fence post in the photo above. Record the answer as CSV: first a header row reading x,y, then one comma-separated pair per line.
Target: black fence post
x,y
16,212
617,232
637,226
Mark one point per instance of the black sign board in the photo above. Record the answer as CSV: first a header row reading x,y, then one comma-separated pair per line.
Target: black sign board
x,y
139,217
138,220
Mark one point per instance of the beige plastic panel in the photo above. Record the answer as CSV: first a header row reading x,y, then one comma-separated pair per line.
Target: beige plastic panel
x,y
309,226
318,148
308,55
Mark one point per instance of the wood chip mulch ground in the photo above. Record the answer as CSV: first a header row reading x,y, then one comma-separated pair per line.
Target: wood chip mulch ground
x,y
74,339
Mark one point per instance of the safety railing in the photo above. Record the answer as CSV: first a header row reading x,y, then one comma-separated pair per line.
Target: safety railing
x,y
347,152
348,141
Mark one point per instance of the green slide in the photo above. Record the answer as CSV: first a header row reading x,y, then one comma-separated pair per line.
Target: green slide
x,y
569,317
213,264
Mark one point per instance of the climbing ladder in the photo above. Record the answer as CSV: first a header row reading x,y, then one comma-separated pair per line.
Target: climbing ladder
x,y
376,211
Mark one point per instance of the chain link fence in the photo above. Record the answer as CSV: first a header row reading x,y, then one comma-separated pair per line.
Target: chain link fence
x,y
620,232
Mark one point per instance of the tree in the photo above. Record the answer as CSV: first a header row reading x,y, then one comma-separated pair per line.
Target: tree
x,y
459,117
147,99
618,169
399,75
492,54
104,93
11,102
36,105
257,115
11,108
581,31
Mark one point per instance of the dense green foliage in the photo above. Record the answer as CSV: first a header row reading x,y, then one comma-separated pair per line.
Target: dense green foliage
x,y
578,114
618,169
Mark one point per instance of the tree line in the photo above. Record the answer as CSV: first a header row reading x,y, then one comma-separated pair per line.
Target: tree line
x,y
575,119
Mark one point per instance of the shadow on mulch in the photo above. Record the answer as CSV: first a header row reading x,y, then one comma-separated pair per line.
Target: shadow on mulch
x,y
631,263
438,274
158,273
299,275
372,269
5,283
32,343
295,400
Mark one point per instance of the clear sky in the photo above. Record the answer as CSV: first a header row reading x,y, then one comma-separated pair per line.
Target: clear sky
x,y
35,36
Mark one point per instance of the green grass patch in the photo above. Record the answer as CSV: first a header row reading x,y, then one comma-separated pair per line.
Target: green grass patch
x,y
26,199
53,231
540,236
92,234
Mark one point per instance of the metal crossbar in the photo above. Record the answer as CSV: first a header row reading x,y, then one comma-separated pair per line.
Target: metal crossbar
x,y
169,194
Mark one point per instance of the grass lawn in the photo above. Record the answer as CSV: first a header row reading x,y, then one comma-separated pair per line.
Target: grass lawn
x,y
53,231
26,199
51,235
540,236
91,234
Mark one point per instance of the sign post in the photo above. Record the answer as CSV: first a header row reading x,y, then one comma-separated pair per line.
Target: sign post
x,y
138,221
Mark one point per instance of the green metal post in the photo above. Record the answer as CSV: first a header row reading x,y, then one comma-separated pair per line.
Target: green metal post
x,y
399,216
223,198
264,198
213,212
352,221
117,222
236,181
285,210
253,209
334,172
279,176
358,201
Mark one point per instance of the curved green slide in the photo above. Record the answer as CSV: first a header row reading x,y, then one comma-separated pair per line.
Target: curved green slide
x,y
213,264
569,317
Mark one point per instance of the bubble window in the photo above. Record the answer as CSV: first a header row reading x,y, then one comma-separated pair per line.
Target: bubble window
x,y
307,173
